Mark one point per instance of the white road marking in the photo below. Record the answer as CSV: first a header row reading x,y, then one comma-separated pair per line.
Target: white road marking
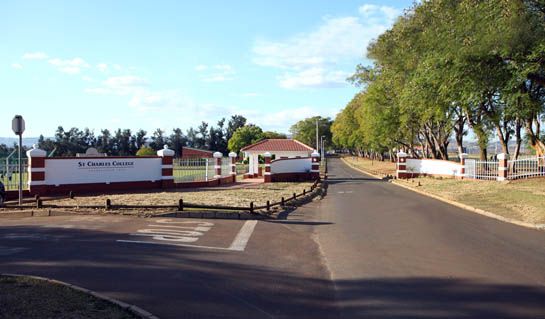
x,y
240,242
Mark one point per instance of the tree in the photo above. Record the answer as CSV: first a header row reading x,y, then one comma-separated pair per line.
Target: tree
x,y
234,124
245,136
177,140
305,130
158,139
274,135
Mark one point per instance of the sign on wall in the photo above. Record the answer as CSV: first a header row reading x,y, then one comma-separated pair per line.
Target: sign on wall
x,y
60,171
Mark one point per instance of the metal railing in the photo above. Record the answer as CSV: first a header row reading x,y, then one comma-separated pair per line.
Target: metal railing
x,y
487,170
531,166
198,169
9,173
193,169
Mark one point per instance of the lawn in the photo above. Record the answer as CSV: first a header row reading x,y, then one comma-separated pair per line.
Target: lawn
x,y
259,194
23,297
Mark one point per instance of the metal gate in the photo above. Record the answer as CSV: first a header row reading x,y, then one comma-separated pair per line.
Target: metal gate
x,y
487,170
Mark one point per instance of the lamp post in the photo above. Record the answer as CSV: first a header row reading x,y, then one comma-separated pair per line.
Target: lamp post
x,y
18,127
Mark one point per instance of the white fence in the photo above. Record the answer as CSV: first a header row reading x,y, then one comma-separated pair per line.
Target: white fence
x,y
487,170
9,173
198,169
526,167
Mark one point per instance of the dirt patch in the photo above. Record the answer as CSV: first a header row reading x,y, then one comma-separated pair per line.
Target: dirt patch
x,y
29,298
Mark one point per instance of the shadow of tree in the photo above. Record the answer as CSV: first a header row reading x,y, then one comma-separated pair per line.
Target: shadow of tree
x,y
177,282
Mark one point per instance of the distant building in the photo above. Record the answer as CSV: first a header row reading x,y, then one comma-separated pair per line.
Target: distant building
x,y
279,148
190,152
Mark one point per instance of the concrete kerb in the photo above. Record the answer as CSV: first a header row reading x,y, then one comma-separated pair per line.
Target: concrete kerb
x,y
132,308
455,203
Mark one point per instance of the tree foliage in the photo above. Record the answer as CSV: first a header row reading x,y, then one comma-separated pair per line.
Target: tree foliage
x,y
447,66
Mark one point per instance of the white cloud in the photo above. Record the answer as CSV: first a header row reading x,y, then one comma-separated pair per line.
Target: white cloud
x,y
17,66
102,67
120,85
216,73
35,56
70,66
315,77
337,41
87,79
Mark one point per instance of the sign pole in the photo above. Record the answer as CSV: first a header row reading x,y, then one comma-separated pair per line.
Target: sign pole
x,y
20,170
18,127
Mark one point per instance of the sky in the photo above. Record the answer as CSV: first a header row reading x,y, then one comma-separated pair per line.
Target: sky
x,y
166,64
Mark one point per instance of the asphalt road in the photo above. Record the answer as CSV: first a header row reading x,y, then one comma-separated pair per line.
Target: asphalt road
x,y
397,254
370,249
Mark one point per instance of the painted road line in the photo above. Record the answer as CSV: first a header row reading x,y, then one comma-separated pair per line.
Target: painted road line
x,y
240,242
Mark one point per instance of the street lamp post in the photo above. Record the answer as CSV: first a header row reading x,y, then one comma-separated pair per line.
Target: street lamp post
x,y
18,127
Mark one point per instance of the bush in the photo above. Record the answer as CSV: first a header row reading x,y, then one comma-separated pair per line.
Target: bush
x,y
146,151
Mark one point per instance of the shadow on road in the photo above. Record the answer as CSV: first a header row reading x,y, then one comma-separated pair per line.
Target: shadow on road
x,y
176,282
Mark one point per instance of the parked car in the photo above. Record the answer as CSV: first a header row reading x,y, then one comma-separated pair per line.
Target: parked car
x,y
2,194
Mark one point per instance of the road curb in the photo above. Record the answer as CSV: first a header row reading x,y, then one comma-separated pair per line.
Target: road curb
x,y
455,203
132,308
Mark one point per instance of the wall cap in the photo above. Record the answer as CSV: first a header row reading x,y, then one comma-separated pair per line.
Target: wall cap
x,y
401,154
218,155
502,156
267,154
232,154
165,152
36,152
464,155
315,154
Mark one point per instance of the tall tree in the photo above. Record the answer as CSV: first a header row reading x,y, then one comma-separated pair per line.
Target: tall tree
x,y
305,130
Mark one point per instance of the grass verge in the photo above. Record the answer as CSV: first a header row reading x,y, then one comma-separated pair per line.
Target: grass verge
x,y
29,298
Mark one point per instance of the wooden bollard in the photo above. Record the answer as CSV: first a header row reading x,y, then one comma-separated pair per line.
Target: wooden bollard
x,y
38,203
181,205
36,197
304,191
71,195
294,196
282,201
108,204
251,207
268,205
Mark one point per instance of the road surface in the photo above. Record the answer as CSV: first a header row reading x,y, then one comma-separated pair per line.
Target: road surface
x,y
370,249
397,254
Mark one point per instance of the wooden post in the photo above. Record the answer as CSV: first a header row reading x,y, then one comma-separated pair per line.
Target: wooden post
x,y
268,205
181,205
294,196
251,207
71,194
304,191
108,204
38,203
282,201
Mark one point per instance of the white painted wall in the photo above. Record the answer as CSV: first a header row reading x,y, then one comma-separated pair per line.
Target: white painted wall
x,y
296,165
433,167
101,170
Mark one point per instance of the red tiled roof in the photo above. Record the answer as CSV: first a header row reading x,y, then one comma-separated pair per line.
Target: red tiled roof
x,y
272,145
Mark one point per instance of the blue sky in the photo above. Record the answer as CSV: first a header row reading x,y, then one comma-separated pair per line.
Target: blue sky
x,y
166,64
